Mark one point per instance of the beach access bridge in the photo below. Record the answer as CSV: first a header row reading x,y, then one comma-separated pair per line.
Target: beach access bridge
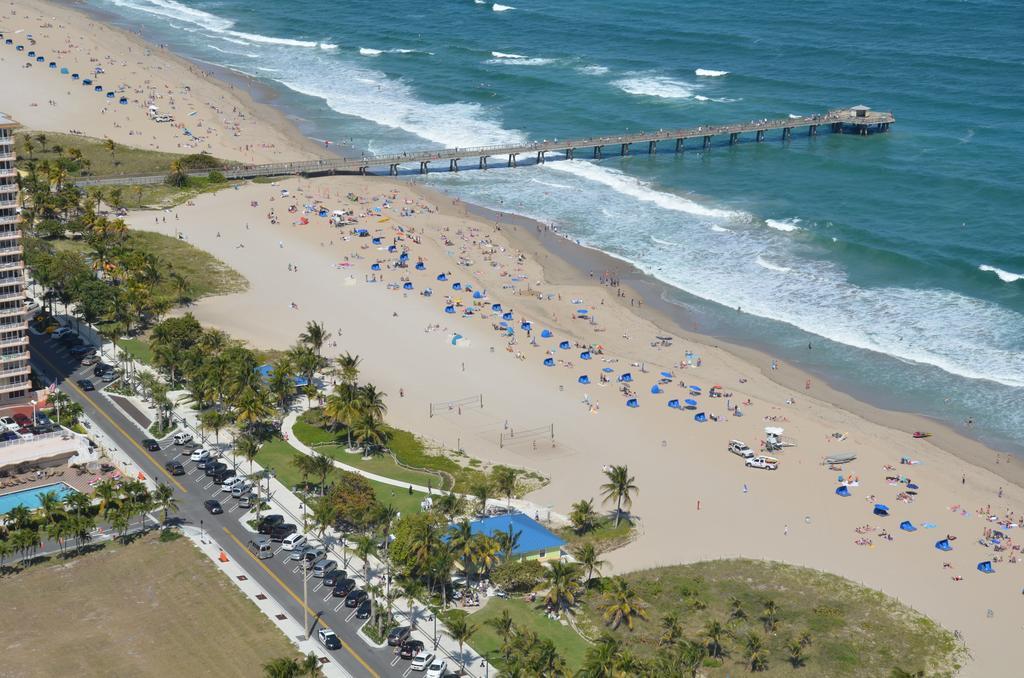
x,y
859,120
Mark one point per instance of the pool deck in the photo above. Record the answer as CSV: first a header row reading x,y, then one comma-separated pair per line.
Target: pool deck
x,y
79,483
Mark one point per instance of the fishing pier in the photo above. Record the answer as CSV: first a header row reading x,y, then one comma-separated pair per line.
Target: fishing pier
x,y
858,120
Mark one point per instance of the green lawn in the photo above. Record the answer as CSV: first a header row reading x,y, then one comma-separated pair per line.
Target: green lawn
x,y
854,631
138,349
381,465
605,536
570,645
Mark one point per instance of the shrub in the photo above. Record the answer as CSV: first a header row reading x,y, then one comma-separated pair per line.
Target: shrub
x,y
518,576
216,177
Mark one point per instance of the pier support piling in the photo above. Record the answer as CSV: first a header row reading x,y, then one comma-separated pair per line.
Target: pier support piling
x,y
540,157
570,153
483,162
624,150
453,165
812,131
707,141
679,145
512,159
393,170
733,138
597,151
760,135
787,133
652,147
423,167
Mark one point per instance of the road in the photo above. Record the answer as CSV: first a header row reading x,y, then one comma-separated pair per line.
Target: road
x,y
279,577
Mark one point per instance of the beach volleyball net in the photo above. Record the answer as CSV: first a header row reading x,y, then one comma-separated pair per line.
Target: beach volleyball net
x,y
512,435
476,401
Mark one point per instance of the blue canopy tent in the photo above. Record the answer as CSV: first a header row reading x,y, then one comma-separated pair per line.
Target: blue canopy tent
x,y
442,277
843,491
494,307
86,82
632,402
377,240
986,567
908,526
403,257
565,345
582,311
673,404
626,376
701,417
374,267
943,545
695,390
584,379
880,510
478,295
656,389
667,375
407,286
585,355
40,59
53,64
32,53
912,486
457,286
607,369
64,71
549,362
449,309
420,266
546,334
690,402
506,316
526,325
123,101
362,233
97,88
110,95
75,76
392,248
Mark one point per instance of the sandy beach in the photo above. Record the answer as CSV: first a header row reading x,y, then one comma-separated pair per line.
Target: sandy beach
x,y
696,501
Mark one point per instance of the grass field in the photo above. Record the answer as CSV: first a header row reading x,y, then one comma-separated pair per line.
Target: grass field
x,y
854,631
147,609
138,348
570,646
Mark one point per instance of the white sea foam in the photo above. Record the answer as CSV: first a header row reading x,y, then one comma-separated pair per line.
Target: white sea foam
x,y
593,69
523,61
546,183
718,229
787,225
793,116
175,10
234,40
707,73
1005,276
655,86
503,55
501,8
763,263
328,45
369,51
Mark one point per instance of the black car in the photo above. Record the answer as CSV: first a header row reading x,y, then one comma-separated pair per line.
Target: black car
x,y
101,369
43,420
221,476
85,385
82,351
411,648
398,635
8,435
343,587
214,468
269,523
151,445
175,468
333,577
355,598
71,340
281,531
213,506
364,610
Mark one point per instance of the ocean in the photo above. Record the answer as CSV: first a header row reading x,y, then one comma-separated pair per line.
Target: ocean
x,y
899,257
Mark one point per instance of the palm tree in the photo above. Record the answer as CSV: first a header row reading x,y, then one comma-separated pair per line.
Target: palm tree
x,y
620,489
322,466
508,541
310,666
754,652
796,653
343,407
562,579
736,611
413,589
282,382
602,658
29,147
248,448
51,506
164,500
770,616
690,657
254,406
504,479
898,672
108,495
672,629
57,532
460,540
41,138
714,633
372,402
461,631
366,547
282,667
582,516
589,557
481,492
349,367
623,604
324,513
19,517
111,147
6,549
369,434
315,336
505,628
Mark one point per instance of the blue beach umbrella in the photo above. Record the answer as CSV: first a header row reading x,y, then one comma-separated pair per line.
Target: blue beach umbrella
x,y
582,311
908,526
632,402
880,510
565,345
362,233
943,545
695,389
404,256
420,266
674,404
606,370
377,240
626,377
494,307
526,325
392,248
585,355
986,567
546,334
656,389
549,362
690,402
667,375
374,267
407,286
478,295
584,379
506,316
457,286
110,95
442,277
701,417
449,309
843,491
64,71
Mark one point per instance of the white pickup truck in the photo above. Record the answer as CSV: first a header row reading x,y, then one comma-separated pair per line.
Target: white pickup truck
x,y
769,463
740,448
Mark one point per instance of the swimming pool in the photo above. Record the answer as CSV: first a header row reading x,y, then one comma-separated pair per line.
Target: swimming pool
x,y
30,497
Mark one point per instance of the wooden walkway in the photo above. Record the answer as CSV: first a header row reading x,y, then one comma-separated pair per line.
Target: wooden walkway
x,y
858,120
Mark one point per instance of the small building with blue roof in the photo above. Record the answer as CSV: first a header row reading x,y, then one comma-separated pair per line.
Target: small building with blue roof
x,y
536,542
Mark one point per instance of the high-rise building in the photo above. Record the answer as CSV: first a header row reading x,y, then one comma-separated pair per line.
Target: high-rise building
x,y
14,355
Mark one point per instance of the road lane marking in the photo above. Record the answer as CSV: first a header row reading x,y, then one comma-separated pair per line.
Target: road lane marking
x,y
112,422
299,601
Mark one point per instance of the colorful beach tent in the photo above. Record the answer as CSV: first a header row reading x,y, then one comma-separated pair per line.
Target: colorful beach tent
x,y
656,389
549,362
585,355
546,334
626,376
673,403
407,286
494,307
526,325
908,526
632,402
442,277
843,491
420,266
943,545
880,510
457,286
565,345
506,316
986,567
701,417
584,379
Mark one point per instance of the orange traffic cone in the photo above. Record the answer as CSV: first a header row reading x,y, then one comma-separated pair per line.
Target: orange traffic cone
x,y
223,557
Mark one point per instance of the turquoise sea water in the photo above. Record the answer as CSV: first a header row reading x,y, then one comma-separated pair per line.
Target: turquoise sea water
x,y
899,256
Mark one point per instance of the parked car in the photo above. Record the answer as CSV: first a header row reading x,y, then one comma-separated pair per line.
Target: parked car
x,y
60,332
6,435
200,454
293,542
279,532
310,554
322,567
355,598
343,587
220,477
100,369
328,639
740,448
422,660
90,359
365,608
43,420
151,445
22,419
229,483
437,669
769,463
248,500
175,468
181,437
85,385
269,522
212,467
10,423
411,648
398,635
213,506
334,577
241,488
82,351
110,376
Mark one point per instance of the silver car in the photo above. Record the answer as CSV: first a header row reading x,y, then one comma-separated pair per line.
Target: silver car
x,y
324,567
312,554
240,488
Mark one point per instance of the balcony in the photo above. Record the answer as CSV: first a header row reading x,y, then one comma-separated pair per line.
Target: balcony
x,y
15,370
16,311
6,155
11,249
12,296
17,326
12,266
14,341
9,204
22,385
8,172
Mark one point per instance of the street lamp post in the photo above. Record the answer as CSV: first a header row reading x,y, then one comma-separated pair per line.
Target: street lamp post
x,y
34,413
434,616
305,607
202,532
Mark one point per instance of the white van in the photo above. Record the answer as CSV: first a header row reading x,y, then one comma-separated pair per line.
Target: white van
x,y
324,567
261,548
182,438
293,541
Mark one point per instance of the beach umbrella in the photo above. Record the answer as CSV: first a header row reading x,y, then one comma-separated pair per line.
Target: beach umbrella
x,y
392,248
626,376
404,256
546,334
673,403
64,71
374,267
503,324
695,389
449,309
656,389
565,345
582,311
549,362
494,307
377,241
110,95
457,286
74,76
506,316
407,286
912,486
986,567
667,375
420,266
123,101
442,277
607,369
526,326
843,491
53,64
632,402
701,417
40,59
881,510
585,355
690,402
908,526
584,379
943,545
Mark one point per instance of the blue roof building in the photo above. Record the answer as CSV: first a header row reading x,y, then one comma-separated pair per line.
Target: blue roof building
x,y
535,540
